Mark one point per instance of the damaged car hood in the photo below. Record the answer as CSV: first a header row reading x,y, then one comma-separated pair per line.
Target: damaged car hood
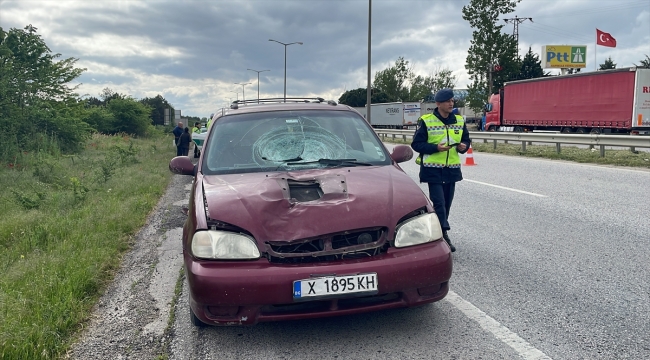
x,y
300,204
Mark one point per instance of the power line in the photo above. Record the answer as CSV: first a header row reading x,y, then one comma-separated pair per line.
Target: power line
x,y
609,9
551,30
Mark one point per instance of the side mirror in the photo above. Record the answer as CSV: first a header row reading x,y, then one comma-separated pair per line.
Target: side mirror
x,y
488,107
181,165
401,153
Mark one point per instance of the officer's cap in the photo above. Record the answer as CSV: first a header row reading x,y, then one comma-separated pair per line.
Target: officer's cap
x,y
444,95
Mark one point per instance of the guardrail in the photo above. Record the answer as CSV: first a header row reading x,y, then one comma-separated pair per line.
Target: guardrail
x,y
600,140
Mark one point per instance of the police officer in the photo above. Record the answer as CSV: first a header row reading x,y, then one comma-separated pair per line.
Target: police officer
x,y
207,126
440,138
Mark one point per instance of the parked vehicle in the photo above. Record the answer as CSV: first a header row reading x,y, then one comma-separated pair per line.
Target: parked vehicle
x,y
609,101
297,210
395,115
411,114
387,115
467,113
199,138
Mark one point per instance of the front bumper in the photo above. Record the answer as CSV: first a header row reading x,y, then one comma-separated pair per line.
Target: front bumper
x,y
245,293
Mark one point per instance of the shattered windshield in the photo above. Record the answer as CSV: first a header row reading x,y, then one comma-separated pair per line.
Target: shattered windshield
x,y
291,140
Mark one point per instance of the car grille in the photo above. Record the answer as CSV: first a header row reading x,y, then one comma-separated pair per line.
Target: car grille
x,y
324,306
355,244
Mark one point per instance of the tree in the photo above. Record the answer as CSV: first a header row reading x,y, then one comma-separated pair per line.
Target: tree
x,y
358,97
645,63
609,64
131,116
34,71
531,66
400,83
489,46
37,105
100,119
424,88
393,80
158,104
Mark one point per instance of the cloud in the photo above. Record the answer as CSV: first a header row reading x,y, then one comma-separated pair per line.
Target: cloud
x,y
192,52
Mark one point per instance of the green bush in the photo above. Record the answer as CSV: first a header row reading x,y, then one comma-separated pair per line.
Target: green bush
x,y
131,117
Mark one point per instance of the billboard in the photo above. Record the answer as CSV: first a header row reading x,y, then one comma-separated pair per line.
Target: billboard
x,y
642,99
564,56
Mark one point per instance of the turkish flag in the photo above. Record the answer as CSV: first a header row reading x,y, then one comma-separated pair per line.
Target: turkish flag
x,y
605,39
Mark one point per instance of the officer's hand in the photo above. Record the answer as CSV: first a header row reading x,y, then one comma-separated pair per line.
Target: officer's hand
x,y
442,148
461,147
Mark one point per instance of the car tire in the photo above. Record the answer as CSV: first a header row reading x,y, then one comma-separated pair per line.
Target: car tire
x,y
195,320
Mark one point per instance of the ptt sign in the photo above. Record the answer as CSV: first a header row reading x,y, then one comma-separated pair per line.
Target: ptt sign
x,y
564,56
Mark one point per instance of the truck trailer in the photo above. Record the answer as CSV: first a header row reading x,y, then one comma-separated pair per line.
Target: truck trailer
x,y
610,101
387,115
394,115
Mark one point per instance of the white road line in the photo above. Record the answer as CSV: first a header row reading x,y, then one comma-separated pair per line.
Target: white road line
x,y
506,188
521,346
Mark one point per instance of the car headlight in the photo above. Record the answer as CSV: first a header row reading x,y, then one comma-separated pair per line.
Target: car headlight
x,y
223,245
418,230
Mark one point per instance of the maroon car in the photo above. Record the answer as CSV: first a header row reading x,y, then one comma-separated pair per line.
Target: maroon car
x,y
298,211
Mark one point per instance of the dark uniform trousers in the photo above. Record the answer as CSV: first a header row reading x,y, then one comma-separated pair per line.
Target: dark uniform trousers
x,y
441,196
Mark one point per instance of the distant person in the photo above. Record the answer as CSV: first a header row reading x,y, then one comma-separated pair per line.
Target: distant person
x,y
207,126
440,138
178,131
184,142
196,130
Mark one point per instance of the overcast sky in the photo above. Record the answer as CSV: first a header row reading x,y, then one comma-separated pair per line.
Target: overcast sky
x,y
193,51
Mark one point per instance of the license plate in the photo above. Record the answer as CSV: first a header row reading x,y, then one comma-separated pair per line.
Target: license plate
x,y
329,286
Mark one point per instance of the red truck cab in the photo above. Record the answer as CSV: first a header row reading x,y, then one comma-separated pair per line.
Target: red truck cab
x,y
493,113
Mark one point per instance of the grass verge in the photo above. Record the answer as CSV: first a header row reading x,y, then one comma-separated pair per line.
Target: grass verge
x,y
64,224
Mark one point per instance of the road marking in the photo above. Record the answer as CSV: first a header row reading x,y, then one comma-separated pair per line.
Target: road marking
x,y
521,346
506,188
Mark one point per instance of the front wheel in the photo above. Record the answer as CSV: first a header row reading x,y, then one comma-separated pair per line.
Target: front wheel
x,y
195,320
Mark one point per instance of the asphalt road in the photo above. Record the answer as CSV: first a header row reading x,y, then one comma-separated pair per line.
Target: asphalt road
x,y
552,262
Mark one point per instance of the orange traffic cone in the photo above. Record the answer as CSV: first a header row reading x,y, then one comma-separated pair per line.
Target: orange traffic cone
x,y
469,157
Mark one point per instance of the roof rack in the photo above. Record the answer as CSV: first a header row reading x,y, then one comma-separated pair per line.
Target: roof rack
x,y
235,104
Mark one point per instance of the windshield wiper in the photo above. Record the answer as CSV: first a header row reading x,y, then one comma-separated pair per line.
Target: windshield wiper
x,y
335,162
297,158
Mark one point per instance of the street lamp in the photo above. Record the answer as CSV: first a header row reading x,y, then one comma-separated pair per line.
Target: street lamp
x,y
236,92
243,94
285,64
258,82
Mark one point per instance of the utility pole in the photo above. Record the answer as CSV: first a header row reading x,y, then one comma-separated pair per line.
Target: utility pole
x,y
490,69
515,31
243,93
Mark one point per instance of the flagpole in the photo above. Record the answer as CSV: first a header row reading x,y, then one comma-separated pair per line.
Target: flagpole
x,y
595,47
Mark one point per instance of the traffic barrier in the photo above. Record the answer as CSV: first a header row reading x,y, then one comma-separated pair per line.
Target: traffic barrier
x,y
469,157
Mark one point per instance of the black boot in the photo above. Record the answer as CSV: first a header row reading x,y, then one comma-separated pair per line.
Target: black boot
x,y
448,240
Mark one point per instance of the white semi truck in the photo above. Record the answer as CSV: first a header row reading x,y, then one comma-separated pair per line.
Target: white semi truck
x,y
395,115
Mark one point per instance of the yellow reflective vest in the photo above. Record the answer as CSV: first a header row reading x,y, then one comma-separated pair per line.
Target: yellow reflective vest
x,y
439,133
